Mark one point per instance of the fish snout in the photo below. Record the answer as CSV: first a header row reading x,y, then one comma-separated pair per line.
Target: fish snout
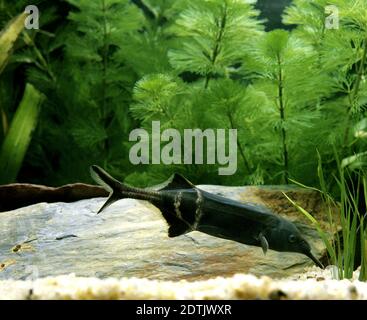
x,y
315,260
306,250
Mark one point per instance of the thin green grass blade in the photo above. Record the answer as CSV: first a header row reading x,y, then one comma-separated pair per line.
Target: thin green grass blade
x,y
349,251
304,186
332,246
316,224
16,142
363,239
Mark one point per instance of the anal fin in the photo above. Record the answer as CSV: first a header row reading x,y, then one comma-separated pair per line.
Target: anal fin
x,y
178,229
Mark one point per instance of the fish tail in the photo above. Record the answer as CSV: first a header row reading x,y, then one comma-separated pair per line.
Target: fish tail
x,y
117,189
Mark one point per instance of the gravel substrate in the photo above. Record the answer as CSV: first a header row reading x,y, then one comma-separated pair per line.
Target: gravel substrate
x,y
314,284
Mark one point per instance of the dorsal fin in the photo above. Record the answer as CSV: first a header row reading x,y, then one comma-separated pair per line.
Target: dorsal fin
x,y
176,181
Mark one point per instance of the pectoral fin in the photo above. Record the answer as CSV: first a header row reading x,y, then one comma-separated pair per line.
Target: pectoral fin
x,y
264,243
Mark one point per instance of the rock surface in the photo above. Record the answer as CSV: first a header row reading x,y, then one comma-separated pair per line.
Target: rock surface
x,y
130,239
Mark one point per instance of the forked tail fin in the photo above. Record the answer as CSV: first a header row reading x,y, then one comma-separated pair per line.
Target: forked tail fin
x,y
109,183
118,191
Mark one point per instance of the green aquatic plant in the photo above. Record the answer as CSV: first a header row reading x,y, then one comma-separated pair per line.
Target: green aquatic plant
x,y
188,64
92,92
18,137
356,164
146,52
8,36
348,225
287,78
18,133
214,36
342,55
273,81
210,39
23,61
99,58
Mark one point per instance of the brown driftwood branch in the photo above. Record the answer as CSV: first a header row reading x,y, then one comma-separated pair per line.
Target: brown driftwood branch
x,y
16,195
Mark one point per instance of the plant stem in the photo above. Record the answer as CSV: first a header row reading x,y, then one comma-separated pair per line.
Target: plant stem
x,y
43,63
283,119
213,59
242,153
354,94
217,44
318,44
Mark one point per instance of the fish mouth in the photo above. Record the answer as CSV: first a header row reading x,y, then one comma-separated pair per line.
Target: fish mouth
x,y
314,259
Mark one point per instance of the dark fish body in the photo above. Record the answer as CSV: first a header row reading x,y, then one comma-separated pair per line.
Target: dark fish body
x,y
187,208
214,215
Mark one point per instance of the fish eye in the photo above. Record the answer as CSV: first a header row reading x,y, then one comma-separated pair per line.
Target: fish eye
x,y
292,238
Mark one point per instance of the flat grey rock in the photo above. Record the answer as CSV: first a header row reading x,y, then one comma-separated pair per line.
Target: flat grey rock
x,y
129,239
